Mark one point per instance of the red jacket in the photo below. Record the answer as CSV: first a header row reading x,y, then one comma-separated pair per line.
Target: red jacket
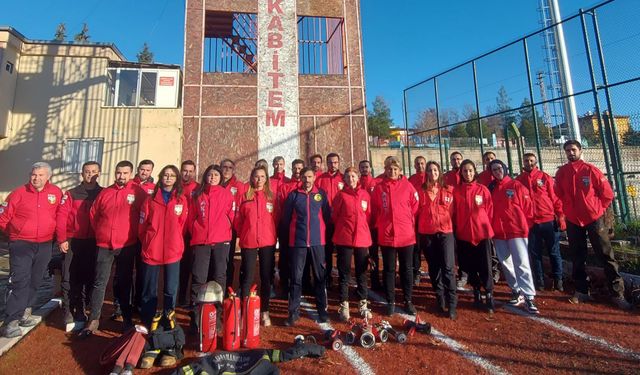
x,y
584,191
546,205
277,180
369,182
115,215
161,227
485,177
515,209
350,214
237,189
211,216
31,215
452,178
148,186
73,214
190,189
417,180
473,210
394,204
331,184
435,214
256,221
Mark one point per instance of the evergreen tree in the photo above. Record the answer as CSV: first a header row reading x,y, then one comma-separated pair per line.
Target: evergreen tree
x,y
82,36
145,55
61,33
379,119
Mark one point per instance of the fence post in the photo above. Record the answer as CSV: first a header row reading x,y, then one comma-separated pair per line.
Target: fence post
x,y
596,101
613,128
475,91
533,108
435,92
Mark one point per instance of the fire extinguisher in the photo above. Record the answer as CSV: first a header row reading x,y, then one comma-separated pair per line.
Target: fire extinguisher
x,y
251,319
231,331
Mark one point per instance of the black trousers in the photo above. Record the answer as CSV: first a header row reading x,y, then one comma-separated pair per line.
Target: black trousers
x,y
139,279
185,272
328,252
283,260
124,259
475,260
231,267
248,270
416,254
439,250
209,264
405,257
78,275
361,261
297,259
374,255
598,235
462,274
28,262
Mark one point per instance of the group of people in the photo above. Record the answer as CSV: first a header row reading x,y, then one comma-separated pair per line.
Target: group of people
x,y
189,231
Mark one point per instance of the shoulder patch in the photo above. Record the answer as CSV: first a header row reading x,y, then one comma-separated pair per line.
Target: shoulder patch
x,y
317,197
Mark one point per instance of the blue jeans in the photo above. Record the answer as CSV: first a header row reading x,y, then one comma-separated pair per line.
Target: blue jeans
x,y
149,300
547,235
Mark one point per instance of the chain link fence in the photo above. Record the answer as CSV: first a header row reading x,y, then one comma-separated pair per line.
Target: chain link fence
x,y
573,79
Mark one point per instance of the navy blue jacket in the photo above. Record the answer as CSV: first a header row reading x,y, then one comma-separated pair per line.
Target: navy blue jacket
x,y
305,215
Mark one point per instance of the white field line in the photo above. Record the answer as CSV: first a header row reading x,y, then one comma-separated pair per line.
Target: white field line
x,y
572,331
350,354
455,346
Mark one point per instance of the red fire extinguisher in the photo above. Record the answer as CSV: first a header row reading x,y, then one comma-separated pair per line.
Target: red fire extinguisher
x,y
231,331
251,319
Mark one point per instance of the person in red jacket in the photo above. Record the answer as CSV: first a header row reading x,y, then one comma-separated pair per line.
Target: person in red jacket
x,y
78,243
548,221
283,231
278,178
237,188
331,182
211,215
452,178
256,228
350,214
473,210
162,222
394,206
114,217
586,194
315,162
486,177
417,180
28,217
144,177
510,225
368,182
435,229
189,187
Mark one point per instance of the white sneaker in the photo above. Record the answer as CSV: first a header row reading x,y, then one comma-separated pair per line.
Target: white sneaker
x,y
265,319
343,311
363,308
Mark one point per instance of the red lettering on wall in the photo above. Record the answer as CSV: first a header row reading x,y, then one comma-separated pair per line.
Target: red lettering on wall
x,y
275,24
276,79
275,40
275,119
275,61
274,5
275,99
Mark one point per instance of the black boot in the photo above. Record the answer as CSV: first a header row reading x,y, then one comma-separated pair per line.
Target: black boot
x,y
489,302
440,302
453,315
477,298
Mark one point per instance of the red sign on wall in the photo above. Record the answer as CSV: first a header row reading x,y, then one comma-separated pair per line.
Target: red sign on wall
x,y
166,81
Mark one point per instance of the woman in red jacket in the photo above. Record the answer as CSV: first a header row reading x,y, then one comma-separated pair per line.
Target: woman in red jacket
x,y
162,219
256,228
435,229
211,213
394,204
511,226
473,209
350,214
